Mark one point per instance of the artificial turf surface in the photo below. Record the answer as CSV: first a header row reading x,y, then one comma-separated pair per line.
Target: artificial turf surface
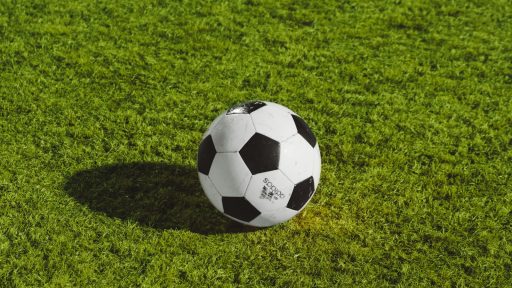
x,y
103,104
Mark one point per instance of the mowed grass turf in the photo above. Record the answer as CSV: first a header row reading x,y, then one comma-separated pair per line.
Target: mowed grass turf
x,y
103,104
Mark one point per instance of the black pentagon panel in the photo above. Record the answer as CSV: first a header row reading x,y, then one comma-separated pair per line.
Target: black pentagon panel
x,y
239,208
304,130
261,154
246,108
301,194
205,155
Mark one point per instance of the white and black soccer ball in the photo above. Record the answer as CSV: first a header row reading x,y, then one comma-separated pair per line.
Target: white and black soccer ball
x,y
259,163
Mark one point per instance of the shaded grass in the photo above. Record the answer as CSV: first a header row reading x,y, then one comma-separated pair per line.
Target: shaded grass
x,y
155,195
410,102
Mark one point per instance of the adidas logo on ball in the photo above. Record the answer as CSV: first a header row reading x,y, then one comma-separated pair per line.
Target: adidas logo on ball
x,y
270,191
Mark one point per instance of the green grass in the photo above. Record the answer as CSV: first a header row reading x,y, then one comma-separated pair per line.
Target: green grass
x,y
103,104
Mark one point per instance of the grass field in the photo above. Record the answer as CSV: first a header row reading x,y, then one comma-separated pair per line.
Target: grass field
x,y
103,104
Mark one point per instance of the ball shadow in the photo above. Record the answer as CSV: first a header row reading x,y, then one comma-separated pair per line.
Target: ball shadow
x,y
162,196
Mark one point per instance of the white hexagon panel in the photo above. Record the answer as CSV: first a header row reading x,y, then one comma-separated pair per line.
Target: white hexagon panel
x,y
297,158
211,192
231,132
273,217
317,165
280,107
274,122
229,174
269,191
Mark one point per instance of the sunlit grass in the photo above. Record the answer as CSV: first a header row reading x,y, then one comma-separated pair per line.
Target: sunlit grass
x,y
103,104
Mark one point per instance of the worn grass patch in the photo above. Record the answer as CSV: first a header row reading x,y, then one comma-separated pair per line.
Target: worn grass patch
x,y
103,103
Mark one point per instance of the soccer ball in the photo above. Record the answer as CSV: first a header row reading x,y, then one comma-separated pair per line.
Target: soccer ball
x,y
259,163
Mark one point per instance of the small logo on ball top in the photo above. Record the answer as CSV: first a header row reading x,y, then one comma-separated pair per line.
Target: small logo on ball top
x,y
270,191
